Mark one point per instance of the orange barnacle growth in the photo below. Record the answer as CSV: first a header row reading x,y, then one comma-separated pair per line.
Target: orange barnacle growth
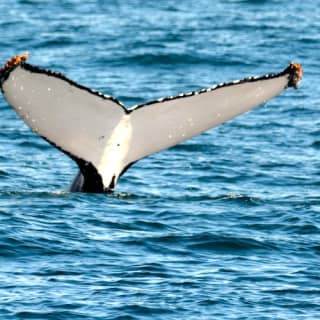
x,y
14,61
296,74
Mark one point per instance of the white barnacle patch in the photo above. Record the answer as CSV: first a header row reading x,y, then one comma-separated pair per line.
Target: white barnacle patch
x,y
190,121
260,91
115,151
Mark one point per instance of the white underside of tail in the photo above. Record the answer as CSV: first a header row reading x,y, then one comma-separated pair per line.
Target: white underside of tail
x,y
99,130
115,152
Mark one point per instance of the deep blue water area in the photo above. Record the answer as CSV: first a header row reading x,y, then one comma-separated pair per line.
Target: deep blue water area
x,y
223,226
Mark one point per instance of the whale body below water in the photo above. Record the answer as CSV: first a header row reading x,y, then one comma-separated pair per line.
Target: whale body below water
x,y
104,137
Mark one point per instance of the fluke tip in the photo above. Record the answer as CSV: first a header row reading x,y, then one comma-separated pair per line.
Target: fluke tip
x,y
14,61
296,72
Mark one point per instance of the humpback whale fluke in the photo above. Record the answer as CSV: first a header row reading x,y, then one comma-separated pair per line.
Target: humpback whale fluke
x,y
103,137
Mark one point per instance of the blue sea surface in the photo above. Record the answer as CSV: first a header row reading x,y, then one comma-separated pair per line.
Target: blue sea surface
x,y
223,226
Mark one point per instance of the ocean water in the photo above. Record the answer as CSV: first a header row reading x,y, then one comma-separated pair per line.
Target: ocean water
x,y
223,226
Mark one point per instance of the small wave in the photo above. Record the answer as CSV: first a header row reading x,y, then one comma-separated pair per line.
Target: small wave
x,y
302,229
231,245
241,198
196,195
194,147
40,194
167,59
4,174
63,314
143,310
316,145
316,249
213,243
11,247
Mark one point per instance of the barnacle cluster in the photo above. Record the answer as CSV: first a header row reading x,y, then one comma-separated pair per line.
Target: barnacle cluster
x,y
14,61
296,72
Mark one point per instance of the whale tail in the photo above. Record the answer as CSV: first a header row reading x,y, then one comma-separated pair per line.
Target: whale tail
x,y
105,138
